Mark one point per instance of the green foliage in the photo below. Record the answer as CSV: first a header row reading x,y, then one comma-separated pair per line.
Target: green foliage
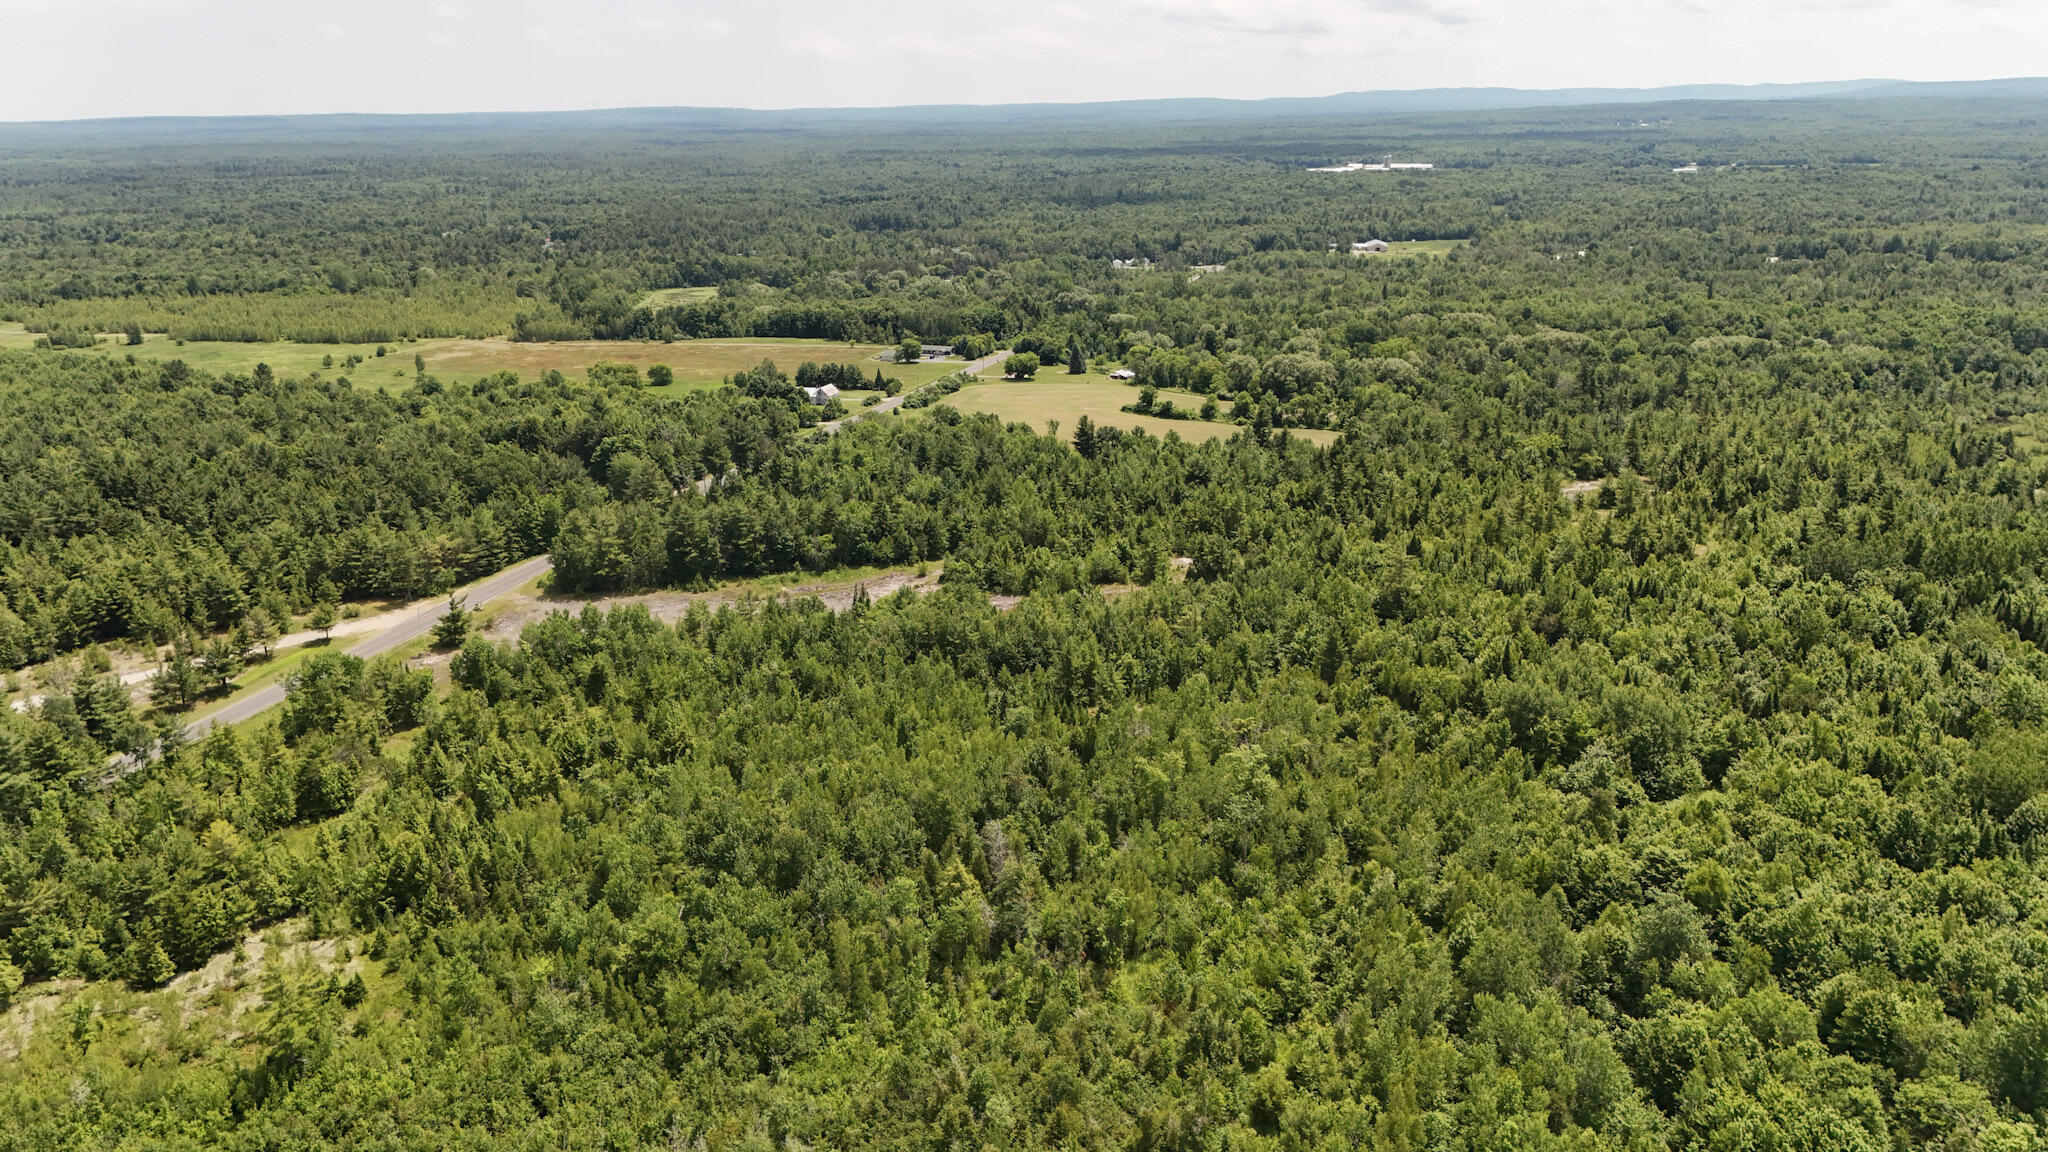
x,y
612,373
1627,734
453,626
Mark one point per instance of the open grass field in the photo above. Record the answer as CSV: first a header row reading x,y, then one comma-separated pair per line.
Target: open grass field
x,y
1058,396
670,297
697,363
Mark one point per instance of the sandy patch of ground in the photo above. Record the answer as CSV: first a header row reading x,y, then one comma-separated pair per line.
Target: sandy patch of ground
x,y
228,985
28,1012
514,612
241,978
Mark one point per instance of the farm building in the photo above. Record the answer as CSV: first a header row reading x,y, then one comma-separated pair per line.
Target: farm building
x,y
822,395
1369,246
936,351
1123,374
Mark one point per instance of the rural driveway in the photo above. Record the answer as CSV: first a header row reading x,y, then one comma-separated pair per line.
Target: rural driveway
x,y
399,627
891,403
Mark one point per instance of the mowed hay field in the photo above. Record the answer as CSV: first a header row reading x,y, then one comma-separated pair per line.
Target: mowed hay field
x,y
697,363
670,297
1054,395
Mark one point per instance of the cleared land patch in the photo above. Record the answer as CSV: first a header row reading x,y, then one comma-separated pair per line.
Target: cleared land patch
x,y
1410,249
697,363
670,297
1058,396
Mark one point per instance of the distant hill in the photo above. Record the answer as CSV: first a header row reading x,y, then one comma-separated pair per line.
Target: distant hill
x,y
1347,104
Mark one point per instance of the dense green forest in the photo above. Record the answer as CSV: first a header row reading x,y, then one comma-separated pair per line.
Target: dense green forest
x,y
154,501
1632,732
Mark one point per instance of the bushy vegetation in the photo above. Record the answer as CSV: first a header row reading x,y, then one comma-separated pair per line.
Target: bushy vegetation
x,y
155,500
1631,733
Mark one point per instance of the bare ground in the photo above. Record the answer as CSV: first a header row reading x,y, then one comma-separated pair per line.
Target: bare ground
x,y
227,985
515,611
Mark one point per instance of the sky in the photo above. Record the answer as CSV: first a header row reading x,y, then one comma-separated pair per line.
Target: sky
x,y
71,59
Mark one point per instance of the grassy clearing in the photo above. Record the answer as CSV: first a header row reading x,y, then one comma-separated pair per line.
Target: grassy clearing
x,y
697,363
1410,249
670,297
1058,396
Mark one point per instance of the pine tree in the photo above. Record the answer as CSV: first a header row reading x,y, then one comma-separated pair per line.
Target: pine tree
x,y
453,627
322,619
176,684
153,967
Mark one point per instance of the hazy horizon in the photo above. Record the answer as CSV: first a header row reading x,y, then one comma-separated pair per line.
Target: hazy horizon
x,y
235,57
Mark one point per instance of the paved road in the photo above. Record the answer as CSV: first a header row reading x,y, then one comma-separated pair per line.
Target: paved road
x,y
401,627
411,623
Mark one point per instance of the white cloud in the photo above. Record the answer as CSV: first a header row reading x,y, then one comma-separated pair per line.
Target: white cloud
x,y
826,45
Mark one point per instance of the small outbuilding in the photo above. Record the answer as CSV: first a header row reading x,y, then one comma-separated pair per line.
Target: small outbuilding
x,y
1123,374
1370,246
822,395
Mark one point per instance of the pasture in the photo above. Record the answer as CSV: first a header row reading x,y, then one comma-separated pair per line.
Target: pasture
x,y
1054,395
697,363
670,297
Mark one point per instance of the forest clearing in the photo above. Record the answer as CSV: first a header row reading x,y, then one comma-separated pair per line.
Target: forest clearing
x,y
463,362
1054,395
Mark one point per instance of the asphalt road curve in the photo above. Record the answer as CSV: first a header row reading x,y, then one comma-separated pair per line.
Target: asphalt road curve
x,y
404,626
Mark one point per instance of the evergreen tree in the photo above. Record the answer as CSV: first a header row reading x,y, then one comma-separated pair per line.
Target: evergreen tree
x,y
453,626
322,619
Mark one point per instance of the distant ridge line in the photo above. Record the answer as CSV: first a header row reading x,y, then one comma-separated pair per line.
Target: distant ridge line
x,y
1389,102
